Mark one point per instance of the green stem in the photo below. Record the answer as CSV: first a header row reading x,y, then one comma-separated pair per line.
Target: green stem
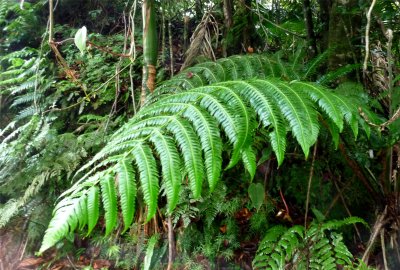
x,y
150,49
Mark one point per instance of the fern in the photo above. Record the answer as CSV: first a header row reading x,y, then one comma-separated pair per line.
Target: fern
x,y
184,128
127,189
109,196
334,75
318,247
26,82
231,69
26,166
3,10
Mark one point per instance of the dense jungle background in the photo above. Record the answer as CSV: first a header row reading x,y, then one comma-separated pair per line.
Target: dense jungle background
x,y
195,134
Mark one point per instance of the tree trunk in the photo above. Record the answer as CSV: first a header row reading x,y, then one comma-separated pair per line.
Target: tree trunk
x,y
149,49
186,20
248,29
163,33
228,21
344,27
310,28
324,12
171,244
171,49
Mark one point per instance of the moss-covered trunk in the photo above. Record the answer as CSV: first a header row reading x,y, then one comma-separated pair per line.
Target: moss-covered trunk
x,y
149,48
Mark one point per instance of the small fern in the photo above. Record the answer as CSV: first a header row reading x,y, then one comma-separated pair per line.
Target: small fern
x,y
318,247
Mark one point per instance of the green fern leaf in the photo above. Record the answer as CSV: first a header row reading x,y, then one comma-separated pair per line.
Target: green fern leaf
x,y
325,100
148,177
208,131
349,111
171,167
84,213
92,208
249,161
244,120
66,218
127,191
190,147
265,106
109,197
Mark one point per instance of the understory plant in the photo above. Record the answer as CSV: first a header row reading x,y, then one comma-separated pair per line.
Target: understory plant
x,y
318,246
187,135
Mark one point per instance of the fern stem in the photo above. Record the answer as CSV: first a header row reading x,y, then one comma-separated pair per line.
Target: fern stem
x,y
51,21
379,223
171,243
309,183
384,249
367,37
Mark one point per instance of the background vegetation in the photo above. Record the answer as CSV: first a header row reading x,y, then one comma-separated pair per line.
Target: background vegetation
x,y
229,134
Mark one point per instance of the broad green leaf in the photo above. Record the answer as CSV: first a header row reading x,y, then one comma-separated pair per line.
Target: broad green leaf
x,y
256,194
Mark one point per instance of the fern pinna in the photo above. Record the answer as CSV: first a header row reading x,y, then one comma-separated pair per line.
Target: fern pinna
x,y
318,247
182,135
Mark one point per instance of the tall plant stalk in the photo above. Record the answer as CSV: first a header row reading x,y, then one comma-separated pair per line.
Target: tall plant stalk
x,y
149,49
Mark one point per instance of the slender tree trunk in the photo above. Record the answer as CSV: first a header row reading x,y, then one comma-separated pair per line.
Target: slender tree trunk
x,y
228,8
51,21
171,48
163,34
171,244
247,30
228,21
149,49
186,21
324,13
310,28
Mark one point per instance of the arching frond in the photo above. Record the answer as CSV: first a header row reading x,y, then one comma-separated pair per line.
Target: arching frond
x,y
183,133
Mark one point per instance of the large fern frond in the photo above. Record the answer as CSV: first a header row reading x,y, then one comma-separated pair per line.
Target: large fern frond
x,y
171,137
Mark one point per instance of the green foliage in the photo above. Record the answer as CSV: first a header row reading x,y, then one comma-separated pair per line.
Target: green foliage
x,y
149,251
184,128
216,233
21,26
26,82
229,69
256,194
317,247
27,166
